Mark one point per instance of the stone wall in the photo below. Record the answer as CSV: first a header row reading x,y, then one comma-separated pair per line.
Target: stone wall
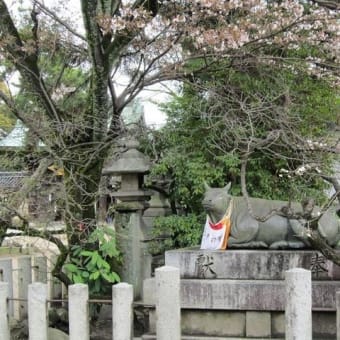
x,y
241,293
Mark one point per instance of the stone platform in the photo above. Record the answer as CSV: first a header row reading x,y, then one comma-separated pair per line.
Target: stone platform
x,y
241,293
248,264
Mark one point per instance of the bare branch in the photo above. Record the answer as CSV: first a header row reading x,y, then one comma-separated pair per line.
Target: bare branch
x,y
333,5
336,184
53,15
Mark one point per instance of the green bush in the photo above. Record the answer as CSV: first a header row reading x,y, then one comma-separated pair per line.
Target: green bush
x,y
174,231
95,267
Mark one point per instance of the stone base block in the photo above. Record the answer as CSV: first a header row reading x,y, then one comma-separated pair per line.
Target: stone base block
x,y
248,264
278,324
213,323
324,325
258,324
260,295
208,323
256,295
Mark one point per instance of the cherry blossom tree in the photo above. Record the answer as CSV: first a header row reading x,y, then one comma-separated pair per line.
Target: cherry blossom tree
x,y
78,117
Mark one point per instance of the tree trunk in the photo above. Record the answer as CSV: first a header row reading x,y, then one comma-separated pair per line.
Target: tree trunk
x,y
81,194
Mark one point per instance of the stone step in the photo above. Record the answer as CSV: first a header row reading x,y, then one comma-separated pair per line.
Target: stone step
x,y
248,264
197,337
261,295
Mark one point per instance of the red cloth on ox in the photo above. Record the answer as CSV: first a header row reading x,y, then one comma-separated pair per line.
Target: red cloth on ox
x,y
216,235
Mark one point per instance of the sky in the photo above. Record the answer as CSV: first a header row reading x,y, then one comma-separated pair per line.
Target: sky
x,y
154,117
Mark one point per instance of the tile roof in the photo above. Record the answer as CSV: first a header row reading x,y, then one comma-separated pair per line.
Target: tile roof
x,y
12,179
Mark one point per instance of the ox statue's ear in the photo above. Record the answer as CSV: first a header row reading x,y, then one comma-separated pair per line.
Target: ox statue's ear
x,y
227,187
206,186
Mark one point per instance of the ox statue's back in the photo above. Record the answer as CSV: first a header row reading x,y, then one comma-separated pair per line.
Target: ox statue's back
x,y
276,232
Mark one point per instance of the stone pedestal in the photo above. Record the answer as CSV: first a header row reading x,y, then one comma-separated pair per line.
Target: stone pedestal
x,y
241,293
130,235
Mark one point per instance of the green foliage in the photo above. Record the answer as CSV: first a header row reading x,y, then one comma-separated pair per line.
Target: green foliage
x,y
194,145
317,104
197,145
95,267
264,180
70,84
188,176
172,232
187,157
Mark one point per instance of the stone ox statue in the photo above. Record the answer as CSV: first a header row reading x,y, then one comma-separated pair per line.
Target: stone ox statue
x,y
276,232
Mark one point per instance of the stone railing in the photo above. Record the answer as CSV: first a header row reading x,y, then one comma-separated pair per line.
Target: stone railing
x,y
19,270
298,307
168,308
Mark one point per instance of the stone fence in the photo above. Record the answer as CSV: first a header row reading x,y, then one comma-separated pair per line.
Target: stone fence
x,y
297,311
18,271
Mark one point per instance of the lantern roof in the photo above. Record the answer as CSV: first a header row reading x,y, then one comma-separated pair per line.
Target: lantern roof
x,y
131,161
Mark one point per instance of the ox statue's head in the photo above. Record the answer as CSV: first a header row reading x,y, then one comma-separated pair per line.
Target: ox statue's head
x,y
216,201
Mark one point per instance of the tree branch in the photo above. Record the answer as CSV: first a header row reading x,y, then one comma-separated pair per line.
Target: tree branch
x,y
333,5
19,114
52,15
335,182
317,242
25,62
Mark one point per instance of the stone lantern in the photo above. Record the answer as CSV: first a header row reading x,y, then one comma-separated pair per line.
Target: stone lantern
x,y
131,166
131,201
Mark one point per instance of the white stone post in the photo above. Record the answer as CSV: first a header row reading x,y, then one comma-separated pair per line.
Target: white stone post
x,y
298,312
4,326
54,285
39,269
6,275
122,320
22,277
37,311
338,315
168,308
78,309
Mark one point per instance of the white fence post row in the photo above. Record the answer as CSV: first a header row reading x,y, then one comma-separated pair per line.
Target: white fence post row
x,y
298,312
6,275
37,311
337,303
78,311
4,325
168,307
122,317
